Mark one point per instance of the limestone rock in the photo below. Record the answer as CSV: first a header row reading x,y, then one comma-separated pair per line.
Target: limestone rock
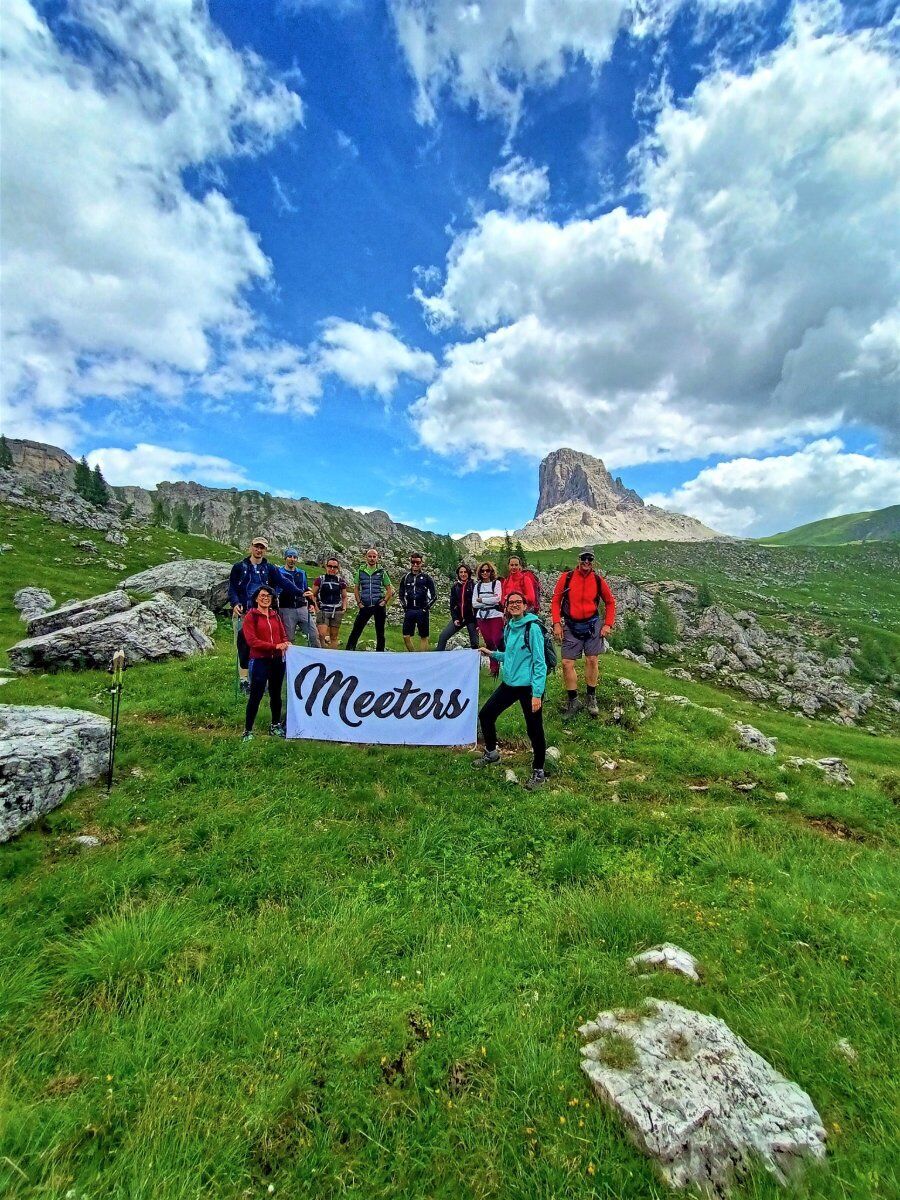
x,y
115,537
752,739
667,957
87,841
78,612
834,769
697,1099
201,616
45,753
151,630
679,673
87,546
201,578
32,601
846,1050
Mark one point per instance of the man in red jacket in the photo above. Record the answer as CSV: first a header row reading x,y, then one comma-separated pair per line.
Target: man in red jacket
x,y
577,599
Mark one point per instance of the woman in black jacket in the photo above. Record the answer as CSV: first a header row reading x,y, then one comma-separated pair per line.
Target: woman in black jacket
x,y
462,614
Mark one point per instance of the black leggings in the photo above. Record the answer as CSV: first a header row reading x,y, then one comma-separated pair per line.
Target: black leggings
x,y
504,698
453,629
379,613
265,672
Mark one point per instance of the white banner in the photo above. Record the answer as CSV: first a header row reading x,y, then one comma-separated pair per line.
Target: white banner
x,y
419,699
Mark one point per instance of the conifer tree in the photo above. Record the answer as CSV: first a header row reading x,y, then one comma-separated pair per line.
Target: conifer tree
x,y
181,525
632,634
6,458
704,595
661,627
98,491
82,480
521,553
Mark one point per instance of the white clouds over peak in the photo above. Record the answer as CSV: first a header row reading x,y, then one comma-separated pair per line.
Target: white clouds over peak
x,y
107,256
753,300
754,497
147,465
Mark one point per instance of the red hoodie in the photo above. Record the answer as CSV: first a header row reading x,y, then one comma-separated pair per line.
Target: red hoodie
x,y
584,602
520,582
263,631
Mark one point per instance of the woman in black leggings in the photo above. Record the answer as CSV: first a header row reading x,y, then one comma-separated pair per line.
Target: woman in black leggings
x,y
268,640
523,678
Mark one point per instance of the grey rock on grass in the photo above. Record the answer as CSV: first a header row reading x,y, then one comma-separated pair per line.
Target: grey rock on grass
x,y
78,612
667,957
751,739
45,753
201,578
201,616
32,601
834,769
152,630
696,1099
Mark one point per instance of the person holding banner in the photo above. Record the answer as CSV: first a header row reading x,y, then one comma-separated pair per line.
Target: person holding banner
x,y
523,678
462,613
267,640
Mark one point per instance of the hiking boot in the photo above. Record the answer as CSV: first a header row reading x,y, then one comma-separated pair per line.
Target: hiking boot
x,y
573,706
591,707
538,779
276,731
245,687
489,757
248,736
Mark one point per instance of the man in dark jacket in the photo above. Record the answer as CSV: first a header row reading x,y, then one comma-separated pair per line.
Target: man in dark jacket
x,y
246,576
295,599
416,594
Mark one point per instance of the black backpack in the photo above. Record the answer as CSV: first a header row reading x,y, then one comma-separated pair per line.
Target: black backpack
x,y
549,645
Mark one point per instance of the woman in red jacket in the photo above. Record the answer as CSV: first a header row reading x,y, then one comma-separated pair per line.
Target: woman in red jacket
x,y
268,640
522,582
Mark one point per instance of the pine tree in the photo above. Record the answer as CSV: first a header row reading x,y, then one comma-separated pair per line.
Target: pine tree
x,y
82,480
180,525
704,595
661,627
6,458
98,491
632,634
158,519
521,553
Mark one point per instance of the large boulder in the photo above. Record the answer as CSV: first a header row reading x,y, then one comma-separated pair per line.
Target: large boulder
x,y
201,578
78,612
32,601
697,1099
149,631
201,616
45,753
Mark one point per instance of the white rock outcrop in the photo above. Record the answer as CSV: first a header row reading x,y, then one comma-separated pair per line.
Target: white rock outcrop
x,y
45,753
667,957
834,769
696,1099
751,739
78,612
200,578
32,602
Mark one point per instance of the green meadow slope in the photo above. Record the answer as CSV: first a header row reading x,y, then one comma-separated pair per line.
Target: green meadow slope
x,y
881,524
336,971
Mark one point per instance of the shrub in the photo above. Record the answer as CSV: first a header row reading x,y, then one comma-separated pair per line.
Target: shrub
x,y
704,595
661,627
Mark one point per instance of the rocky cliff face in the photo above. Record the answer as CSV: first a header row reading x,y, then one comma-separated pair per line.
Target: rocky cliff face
x,y
580,502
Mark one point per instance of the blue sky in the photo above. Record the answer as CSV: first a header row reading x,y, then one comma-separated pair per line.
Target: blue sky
x,y
388,254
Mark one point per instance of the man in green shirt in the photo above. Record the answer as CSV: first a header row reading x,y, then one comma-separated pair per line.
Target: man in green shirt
x,y
373,590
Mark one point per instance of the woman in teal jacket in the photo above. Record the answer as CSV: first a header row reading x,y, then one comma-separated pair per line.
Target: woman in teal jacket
x,y
523,678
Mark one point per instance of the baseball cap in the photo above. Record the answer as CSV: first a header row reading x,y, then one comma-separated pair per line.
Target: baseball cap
x,y
586,552
261,540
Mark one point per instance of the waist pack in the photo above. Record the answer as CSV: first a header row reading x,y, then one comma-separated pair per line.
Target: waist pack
x,y
584,630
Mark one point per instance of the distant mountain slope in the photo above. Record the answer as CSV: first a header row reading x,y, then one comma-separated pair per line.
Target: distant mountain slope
x,y
879,525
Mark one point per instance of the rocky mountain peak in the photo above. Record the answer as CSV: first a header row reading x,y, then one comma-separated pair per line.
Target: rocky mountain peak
x,y
569,475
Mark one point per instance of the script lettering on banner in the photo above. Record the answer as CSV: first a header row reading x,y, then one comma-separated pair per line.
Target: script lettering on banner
x,y
387,699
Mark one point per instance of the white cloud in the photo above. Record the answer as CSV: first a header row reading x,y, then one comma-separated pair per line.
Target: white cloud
x,y
283,202
147,465
754,497
367,357
751,304
346,142
111,265
292,384
484,533
521,184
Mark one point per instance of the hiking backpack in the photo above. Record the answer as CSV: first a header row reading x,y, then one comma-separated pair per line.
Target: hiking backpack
x,y
549,646
535,579
564,600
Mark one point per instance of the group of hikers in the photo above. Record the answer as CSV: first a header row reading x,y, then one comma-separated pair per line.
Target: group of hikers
x,y
269,603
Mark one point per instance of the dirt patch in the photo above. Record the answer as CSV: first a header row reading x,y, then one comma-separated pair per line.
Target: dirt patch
x,y
63,1085
835,829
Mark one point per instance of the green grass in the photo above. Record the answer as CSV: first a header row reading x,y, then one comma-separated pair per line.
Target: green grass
x,y
359,971
877,525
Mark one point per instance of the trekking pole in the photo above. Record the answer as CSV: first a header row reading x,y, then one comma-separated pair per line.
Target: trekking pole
x,y
115,704
235,627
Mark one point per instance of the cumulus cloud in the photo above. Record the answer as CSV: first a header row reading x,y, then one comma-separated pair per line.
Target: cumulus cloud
x,y
754,497
110,264
147,465
521,184
751,302
370,356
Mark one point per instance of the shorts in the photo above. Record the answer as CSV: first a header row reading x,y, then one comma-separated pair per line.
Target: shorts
x,y
573,647
331,619
416,618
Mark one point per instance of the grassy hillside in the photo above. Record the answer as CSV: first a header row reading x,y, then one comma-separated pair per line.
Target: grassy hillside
x,y
881,524
358,971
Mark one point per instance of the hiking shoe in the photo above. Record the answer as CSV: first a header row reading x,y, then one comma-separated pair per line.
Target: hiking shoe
x,y
489,757
591,707
276,731
248,736
245,687
538,779
573,706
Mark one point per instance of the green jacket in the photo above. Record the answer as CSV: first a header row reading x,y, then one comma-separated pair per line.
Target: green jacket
x,y
521,666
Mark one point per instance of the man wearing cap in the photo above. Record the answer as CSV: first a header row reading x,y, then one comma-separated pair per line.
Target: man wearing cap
x,y
295,598
416,593
246,576
577,599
